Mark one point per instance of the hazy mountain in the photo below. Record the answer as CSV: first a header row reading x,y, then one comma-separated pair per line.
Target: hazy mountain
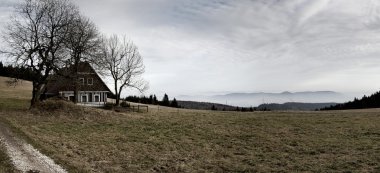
x,y
255,99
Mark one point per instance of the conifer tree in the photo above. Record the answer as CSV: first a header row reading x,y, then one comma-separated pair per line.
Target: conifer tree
x,y
155,101
213,108
174,103
165,100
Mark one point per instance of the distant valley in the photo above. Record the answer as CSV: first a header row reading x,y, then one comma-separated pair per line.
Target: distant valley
x,y
256,99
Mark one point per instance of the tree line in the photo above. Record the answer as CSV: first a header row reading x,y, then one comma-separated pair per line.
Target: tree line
x,y
16,72
46,36
372,101
165,101
238,109
152,99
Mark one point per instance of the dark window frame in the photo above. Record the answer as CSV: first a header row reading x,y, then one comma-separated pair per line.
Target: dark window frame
x,y
88,81
81,81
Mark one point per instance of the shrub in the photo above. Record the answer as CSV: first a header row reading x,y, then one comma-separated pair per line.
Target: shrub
x,y
125,104
56,105
109,106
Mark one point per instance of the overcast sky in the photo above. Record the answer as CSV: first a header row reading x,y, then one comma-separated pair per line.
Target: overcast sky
x,y
197,47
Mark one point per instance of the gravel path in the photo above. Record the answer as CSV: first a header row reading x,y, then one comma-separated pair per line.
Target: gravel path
x,y
24,157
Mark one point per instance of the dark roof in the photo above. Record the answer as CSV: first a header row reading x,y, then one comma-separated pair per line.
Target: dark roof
x,y
61,81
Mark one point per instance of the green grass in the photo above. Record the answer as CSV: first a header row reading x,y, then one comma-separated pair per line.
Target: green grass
x,y
203,141
7,104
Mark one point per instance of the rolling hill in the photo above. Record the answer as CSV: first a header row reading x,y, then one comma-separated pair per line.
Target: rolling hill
x,y
14,96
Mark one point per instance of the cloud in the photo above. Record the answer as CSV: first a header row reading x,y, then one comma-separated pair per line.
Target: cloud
x,y
197,46
265,45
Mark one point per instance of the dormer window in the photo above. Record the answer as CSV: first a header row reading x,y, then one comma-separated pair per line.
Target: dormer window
x,y
81,81
90,81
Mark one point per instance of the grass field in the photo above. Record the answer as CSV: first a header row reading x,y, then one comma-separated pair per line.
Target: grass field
x,y
14,97
172,140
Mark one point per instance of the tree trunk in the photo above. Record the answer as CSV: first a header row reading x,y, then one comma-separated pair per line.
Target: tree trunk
x,y
117,95
36,94
76,82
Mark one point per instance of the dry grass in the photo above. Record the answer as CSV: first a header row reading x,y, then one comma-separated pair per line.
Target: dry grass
x,y
174,140
14,97
203,141
21,91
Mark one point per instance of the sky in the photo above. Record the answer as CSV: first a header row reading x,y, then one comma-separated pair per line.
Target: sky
x,y
206,47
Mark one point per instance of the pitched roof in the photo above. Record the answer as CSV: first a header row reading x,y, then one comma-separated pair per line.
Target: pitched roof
x,y
64,82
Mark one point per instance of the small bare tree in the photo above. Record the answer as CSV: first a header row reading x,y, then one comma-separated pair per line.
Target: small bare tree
x,y
123,62
35,38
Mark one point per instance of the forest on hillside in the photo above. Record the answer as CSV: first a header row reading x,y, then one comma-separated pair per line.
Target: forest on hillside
x,y
16,72
372,101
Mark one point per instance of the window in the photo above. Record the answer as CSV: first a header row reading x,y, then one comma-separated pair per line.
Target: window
x,y
72,98
81,81
89,81
84,98
97,98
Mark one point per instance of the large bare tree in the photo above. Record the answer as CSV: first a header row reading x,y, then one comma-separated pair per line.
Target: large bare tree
x,y
36,38
82,43
123,62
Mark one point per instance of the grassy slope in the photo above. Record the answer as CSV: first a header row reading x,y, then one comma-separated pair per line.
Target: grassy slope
x,y
207,141
14,97
173,140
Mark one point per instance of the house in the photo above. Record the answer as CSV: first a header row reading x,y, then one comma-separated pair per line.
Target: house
x,y
92,90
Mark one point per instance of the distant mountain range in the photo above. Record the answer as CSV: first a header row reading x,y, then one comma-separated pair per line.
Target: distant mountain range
x,y
291,106
255,99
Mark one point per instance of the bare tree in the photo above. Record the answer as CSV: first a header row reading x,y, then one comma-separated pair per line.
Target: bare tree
x,y
123,62
82,43
35,38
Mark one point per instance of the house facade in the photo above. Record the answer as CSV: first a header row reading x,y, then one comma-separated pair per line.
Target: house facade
x,y
92,91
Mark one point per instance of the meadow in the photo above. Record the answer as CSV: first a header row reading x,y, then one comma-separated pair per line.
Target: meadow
x,y
175,140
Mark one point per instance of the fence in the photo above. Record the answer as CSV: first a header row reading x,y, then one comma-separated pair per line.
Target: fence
x,y
139,107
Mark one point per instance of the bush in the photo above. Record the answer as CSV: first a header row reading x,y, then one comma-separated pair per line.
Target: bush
x,y
56,105
109,106
125,104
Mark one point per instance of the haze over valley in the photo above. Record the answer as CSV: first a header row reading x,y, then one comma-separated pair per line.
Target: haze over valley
x,y
255,99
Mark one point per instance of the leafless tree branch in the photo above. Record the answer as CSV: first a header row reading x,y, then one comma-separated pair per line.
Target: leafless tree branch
x,y
123,62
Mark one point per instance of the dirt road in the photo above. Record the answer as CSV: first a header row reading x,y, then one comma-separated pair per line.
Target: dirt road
x,y
24,156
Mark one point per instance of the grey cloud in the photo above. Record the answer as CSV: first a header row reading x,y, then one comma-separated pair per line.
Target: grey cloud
x,y
198,46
